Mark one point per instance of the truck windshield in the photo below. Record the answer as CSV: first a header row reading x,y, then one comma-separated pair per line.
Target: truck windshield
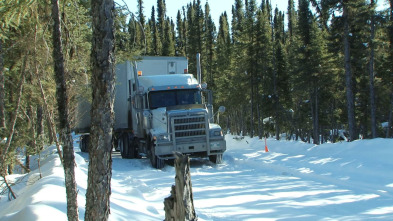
x,y
174,97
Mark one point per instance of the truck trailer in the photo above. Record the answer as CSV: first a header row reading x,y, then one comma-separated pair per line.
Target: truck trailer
x,y
160,109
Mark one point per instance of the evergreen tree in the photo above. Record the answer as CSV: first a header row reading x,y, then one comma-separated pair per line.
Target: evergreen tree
x,y
103,90
209,45
195,21
156,39
168,45
280,77
371,71
141,16
161,19
264,66
223,61
180,37
250,60
62,97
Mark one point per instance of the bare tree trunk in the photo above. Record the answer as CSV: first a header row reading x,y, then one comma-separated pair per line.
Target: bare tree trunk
x,y
371,74
14,117
103,87
49,118
180,204
252,107
2,91
314,114
391,72
27,170
3,153
390,117
63,109
12,194
348,76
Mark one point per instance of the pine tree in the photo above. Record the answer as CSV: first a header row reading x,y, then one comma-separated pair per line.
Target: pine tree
x,y
264,66
161,19
249,34
156,39
348,73
103,84
371,71
209,45
141,16
62,97
390,34
168,45
280,77
195,21
180,37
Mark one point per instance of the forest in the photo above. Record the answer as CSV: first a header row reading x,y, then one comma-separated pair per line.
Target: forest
x,y
319,69
311,72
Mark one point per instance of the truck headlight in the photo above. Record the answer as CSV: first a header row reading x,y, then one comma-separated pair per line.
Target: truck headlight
x,y
216,133
161,137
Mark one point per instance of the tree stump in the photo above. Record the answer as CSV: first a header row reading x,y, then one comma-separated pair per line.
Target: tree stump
x,y
180,204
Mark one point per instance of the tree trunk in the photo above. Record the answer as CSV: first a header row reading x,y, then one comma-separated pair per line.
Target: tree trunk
x,y
348,76
252,107
103,94
63,109
14,116
180,204
12,194
2,91
51,124
371,74
391,72
390,117
314,114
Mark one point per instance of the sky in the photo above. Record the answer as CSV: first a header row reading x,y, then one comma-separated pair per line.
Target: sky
x,y
217,7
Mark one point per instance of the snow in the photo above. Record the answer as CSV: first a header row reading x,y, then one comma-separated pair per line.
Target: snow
x,y
293,181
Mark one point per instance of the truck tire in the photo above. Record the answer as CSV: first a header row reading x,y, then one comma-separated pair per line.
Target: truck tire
x,y
84,143
127,146
217,159
154,160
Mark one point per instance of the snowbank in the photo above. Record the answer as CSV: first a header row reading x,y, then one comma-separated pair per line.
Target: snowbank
x,y
293,181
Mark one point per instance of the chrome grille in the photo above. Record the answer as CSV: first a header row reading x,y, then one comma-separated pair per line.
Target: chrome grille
x,y
193,126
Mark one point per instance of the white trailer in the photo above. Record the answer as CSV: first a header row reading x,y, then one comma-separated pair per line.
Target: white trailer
x,y
159,109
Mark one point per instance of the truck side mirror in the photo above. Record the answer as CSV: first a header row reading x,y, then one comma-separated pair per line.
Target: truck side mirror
x,y
221,109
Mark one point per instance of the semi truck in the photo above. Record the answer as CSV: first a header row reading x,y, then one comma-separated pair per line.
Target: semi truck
x,y
160,109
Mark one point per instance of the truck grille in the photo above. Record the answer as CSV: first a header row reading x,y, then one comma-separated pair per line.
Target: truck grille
x,y
189,127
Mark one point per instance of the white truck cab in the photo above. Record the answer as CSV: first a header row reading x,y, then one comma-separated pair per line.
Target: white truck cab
x,y
161,109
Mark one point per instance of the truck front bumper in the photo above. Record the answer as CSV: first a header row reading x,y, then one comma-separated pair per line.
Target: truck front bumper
x,y
165,150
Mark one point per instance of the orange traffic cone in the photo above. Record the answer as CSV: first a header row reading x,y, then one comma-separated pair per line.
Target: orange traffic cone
x,y
266,149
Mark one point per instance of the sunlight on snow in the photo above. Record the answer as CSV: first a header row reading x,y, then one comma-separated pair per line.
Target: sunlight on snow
x,y
380,211
305,170
323,161
292,157
335,200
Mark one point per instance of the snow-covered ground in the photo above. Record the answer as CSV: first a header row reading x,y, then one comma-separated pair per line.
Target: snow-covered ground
x,y
293,181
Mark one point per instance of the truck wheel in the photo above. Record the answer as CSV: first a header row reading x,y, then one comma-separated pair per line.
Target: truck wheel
x,y
217,159
123,146
84,143
127,146
154,160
